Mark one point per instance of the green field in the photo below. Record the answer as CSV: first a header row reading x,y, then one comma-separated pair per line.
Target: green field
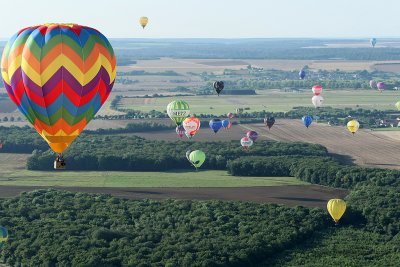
x,y
141,179
270,101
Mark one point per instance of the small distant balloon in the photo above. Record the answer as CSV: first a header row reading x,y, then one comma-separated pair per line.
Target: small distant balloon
x,y
336,208
381,86
253,135
353,126
218,86
230,115
302,74
246,143
373,42
197,158
317,89
180,131
143,21
317,101
225,123
307,120
372,84
215,125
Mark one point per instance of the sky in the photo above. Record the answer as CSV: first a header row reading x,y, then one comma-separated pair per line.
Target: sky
x,y
211,18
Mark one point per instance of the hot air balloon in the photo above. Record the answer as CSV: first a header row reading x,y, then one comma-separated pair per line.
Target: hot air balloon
x,y
225,123
317,89
372,84
302,74
353,126
373,42
397,105
381,86
246,143
191,126
197,158
229,125
230,115
218,86
317,101
307,120
336,208
269,122
180,131
3,236
59,76
188,154
178,110
143,21
253,135
215,125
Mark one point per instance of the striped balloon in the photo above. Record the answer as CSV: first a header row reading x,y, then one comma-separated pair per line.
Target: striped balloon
x,y
178,110
59,75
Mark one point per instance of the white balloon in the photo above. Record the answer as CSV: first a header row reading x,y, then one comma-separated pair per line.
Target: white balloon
x,y
317,101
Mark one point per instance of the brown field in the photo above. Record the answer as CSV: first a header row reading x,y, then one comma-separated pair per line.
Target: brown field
x,y
388,67
292,195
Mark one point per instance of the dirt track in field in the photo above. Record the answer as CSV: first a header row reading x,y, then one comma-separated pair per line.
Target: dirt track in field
x,y
293,195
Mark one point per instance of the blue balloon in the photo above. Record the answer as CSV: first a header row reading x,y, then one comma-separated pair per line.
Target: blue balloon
x,y
225,123
302,74
307,120
215,125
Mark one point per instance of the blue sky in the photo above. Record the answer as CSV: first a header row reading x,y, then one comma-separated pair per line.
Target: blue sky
x,y
211,18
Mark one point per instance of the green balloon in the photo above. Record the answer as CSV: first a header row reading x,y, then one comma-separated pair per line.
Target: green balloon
x,y
197,158
178,111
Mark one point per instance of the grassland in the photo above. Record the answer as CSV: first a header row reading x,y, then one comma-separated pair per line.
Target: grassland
x,y
270,101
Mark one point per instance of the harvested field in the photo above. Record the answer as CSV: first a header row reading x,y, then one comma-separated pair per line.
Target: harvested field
x,y
309,195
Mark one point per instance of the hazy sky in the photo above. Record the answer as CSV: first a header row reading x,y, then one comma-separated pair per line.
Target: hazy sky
x,y
211,18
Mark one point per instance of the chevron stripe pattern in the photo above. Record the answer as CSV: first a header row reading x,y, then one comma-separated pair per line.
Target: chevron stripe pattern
x,y
59,75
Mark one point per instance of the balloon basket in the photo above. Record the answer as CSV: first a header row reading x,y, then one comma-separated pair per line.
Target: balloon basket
x,y
59,164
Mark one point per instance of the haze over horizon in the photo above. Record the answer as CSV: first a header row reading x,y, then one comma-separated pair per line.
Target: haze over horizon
x,y
210,19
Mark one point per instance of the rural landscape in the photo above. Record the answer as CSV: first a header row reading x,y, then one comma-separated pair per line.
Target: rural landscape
x,y
197,151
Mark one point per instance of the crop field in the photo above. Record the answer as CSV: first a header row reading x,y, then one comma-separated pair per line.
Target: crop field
x,y
269,101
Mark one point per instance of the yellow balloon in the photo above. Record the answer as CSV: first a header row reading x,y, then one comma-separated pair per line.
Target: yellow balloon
x,y
143,21
353,126
336,208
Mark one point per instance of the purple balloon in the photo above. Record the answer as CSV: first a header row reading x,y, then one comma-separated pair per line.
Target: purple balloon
x,y
381,86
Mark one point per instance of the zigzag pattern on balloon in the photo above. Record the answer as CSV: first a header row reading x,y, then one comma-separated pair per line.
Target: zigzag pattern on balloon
x,y
58,76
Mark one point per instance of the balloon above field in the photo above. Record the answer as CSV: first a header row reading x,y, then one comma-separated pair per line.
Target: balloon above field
x,y
302,74
317,101
381,86
178,110
353,126
373,42
225,123
246,142
143,21
336,208
307,120
180,131
197,158
3,236
253,135
218,86
269,122
230,115
372,84
59,76
215,125
317,89
191,126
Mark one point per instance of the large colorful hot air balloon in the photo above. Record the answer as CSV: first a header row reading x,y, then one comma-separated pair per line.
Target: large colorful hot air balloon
x,y
269,122
178,110
317,89
307,120
336,208
191,125
3,236
253,135
372,84
215,125
180,131
353,126
317,101
373,42
59,75
302,74
246,143
381,86
218,86
143,21
197,158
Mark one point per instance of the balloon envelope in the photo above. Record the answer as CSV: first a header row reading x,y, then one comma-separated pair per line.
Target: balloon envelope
x,y
317,101
253,135
353,126
218,86
269,122
191,125
143,21
246,142
178,110
372,84
230,115
225,123
381,86
302,74
180,131
373,42
215,125
197,158
317,89
336,208
307,120
59,76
